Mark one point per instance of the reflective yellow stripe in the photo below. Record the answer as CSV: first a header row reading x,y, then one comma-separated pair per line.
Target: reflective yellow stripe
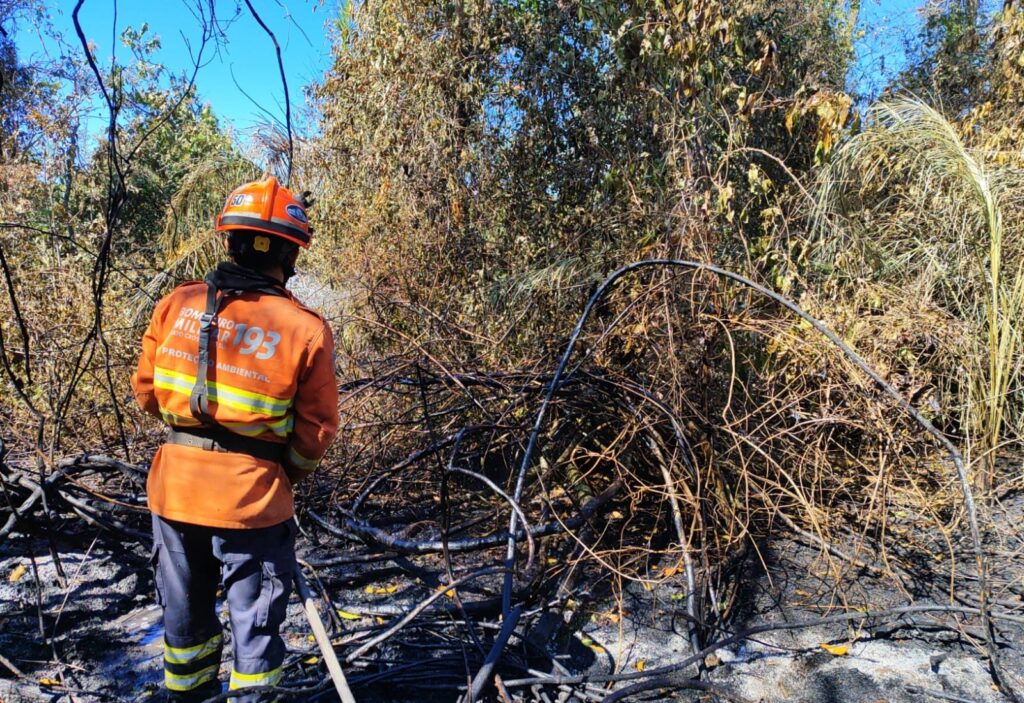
x,y
178,420
269,678
281,427
233,396
221,393
186,682
185,655
301,462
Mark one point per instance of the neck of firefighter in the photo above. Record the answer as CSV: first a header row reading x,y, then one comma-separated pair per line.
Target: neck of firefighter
x,y
281,271
276,272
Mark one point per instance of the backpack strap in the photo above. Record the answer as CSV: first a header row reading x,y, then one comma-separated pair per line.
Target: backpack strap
x,y
198,402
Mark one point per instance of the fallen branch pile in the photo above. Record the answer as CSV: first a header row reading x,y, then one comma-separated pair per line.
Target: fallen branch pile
x,y
664,449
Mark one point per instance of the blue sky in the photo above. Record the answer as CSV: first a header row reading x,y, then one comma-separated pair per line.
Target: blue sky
x,y
247,55
882,27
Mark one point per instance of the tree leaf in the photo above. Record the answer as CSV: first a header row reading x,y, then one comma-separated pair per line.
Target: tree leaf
x,y
836,650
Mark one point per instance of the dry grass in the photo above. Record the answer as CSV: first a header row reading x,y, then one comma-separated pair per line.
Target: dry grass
x,y
909,205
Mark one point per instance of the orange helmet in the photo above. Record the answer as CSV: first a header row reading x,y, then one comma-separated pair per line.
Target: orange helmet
x,y
266,206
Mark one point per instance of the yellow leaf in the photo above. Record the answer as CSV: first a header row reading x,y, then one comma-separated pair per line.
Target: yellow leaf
x,y
312,638
450,592
593,645
381,590
311,660
18,572
380,620
345,615
670,571
836,650
608,617
641,665
49,682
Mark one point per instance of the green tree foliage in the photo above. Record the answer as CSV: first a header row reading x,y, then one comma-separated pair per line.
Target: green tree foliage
x,y
167,133
510,151
56,194
20,93
949,55
480,165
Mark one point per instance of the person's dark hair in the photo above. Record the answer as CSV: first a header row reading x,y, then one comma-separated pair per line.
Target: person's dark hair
x,y
243,250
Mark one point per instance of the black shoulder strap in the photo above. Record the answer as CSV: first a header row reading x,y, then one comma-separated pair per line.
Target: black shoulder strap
x,y
269,290
198,402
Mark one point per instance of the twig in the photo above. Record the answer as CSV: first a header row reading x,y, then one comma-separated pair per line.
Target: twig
x,y
917,690
740,636
423,605
847,351
284,82
685,684
483,675
11,667
377,536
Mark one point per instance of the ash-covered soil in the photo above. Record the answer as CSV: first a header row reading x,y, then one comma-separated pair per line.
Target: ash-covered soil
x,y
94,634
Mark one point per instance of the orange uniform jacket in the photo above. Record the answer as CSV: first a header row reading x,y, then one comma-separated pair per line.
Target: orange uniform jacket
x,y
271,376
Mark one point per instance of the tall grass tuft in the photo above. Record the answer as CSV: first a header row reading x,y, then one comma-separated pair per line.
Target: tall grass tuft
x,y
908,199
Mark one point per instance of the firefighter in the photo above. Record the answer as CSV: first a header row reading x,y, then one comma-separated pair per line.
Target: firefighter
x,y
243,375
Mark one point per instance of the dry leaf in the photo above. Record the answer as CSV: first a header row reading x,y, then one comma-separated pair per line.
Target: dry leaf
x,y
345,615
381,590
641,665
17,573
836,650
608,617
49,682
311,660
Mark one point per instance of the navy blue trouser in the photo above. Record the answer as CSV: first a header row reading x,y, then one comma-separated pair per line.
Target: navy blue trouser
x,y
256,568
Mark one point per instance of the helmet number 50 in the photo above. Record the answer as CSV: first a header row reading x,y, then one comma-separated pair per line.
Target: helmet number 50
x,y
254,340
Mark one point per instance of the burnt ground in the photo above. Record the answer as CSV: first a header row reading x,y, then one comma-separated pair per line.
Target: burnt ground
x,y
95,634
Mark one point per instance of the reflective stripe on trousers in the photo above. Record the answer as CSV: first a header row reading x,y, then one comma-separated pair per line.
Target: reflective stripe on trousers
x,y
269,678
189,668
256,566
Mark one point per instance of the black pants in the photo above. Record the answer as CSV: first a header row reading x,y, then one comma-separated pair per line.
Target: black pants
x,y
256,568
